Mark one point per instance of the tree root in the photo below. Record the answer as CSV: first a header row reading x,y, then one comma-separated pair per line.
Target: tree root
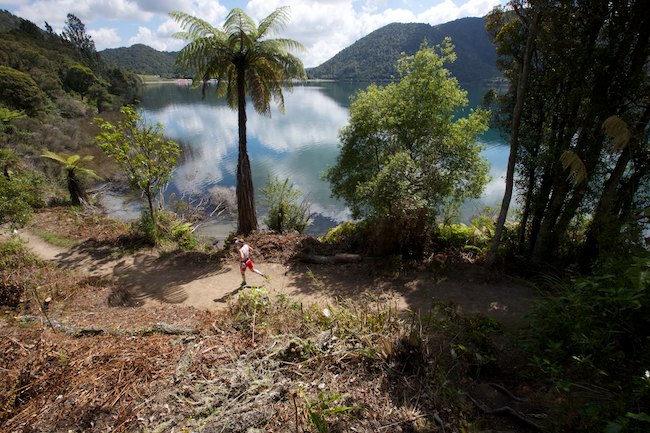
x,y
504,410
504,390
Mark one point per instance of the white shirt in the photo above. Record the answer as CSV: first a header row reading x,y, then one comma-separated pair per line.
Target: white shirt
x,y
245,251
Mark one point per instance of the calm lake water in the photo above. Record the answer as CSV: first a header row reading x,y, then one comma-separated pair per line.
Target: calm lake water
x,y
299,144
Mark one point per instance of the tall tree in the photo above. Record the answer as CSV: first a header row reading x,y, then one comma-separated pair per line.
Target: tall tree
x,y
590,63
530,27
245,61
74,32
406,153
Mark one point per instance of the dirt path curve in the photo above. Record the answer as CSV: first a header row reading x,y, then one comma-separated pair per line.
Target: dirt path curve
x,y
192,279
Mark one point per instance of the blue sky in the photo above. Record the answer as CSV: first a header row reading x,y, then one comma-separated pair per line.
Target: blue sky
x,y
324,27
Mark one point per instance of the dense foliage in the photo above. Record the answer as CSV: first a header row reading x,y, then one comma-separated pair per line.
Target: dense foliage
x,y
374,57
591,337
580,170
20,190
405,155
577,112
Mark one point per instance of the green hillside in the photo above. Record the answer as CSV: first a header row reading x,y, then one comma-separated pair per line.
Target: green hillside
x,y
51,87
142,59
373,58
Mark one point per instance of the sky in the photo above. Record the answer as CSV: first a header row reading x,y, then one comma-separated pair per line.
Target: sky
x,y
324,27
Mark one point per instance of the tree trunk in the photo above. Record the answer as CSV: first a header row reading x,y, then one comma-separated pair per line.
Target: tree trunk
x,y
77,193
514,140
247,216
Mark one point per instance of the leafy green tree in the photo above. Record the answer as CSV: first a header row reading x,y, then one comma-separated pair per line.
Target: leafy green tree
x,y
19,91
244,60
80,79
140,149
406,152
74,32
72,164
20,190
285,212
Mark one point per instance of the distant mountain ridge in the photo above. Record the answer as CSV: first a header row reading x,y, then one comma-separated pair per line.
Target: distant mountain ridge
x,y
374,57
143,59
371,58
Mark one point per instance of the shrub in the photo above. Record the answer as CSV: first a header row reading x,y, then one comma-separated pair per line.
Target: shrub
x,y
19,91
285,213
183,236
20,192
595,330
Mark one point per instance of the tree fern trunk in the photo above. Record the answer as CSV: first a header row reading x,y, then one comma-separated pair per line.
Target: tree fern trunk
x,y
247,216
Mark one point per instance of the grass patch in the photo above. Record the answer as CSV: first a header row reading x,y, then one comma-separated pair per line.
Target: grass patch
x,y
54,238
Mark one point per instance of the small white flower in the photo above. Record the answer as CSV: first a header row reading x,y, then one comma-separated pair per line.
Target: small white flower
x,y
326,312
321,386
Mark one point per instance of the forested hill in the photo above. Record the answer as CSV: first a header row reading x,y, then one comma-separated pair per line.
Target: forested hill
x,y
142,59
374,57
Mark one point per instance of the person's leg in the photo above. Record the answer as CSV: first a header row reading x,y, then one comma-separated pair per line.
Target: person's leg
x,y
242,268
252,267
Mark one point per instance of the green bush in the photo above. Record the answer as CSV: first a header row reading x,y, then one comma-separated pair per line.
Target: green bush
x,y
462,236
183,236
20,192
19,91
284,211
596,331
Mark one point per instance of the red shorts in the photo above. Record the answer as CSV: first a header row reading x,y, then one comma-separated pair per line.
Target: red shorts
x,y
248,263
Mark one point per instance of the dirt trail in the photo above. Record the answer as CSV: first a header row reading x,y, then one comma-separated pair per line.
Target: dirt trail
x,y
192,279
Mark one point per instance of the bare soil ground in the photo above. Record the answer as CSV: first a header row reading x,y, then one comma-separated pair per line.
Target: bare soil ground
x,y
206,280
144,341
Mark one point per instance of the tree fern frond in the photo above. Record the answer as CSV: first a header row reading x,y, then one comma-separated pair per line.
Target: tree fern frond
x,y
238,22
578,172
197,26
88,172
275,22
283,45
59,157
616,129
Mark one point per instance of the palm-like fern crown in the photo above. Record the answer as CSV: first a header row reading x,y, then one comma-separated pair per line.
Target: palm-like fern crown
x,y
72,163
241,47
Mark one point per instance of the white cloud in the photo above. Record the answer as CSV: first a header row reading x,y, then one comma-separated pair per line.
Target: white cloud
x,y
324,27
107,36
148,37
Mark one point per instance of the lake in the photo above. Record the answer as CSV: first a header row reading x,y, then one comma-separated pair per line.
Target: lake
x,y
299,144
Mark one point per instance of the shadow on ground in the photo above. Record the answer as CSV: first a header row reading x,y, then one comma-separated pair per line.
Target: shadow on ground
x,y
471,287
145,276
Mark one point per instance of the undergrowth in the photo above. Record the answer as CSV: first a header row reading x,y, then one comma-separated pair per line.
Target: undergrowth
x,y
415,362
590,340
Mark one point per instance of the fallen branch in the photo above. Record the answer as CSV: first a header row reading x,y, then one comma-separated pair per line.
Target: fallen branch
x,y
326,260
159,328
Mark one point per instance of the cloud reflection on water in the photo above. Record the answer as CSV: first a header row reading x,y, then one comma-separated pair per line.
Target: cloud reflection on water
x,y
299,144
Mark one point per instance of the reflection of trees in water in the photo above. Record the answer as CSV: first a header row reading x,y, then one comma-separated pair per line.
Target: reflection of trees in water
x,y
198,207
